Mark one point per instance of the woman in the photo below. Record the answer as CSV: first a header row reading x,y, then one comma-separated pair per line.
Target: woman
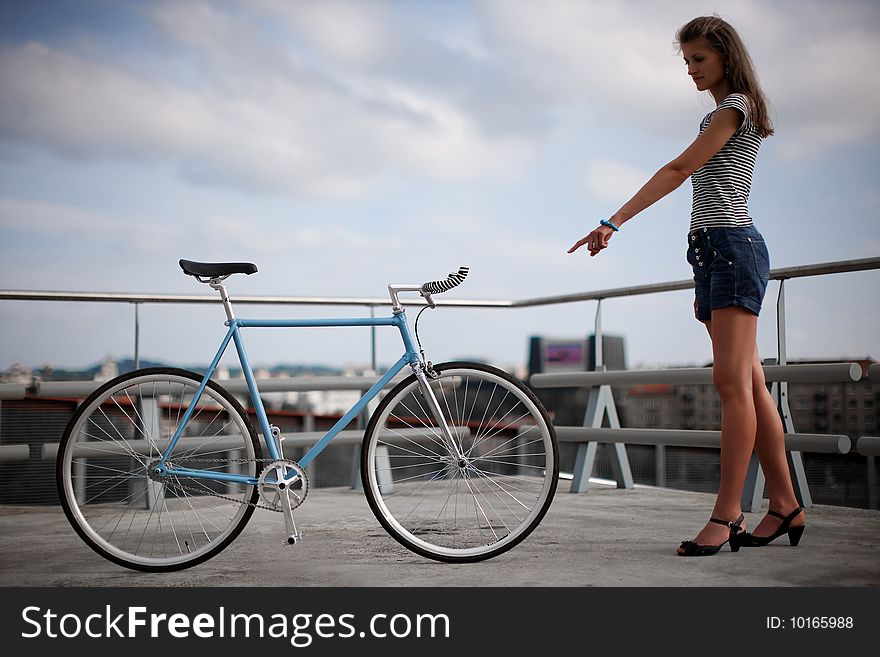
x,y
731,269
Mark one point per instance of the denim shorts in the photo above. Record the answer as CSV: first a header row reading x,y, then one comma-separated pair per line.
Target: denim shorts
x,y
731,268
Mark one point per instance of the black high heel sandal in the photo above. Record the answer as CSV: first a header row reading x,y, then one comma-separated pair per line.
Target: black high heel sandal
x,y
692,549
794,533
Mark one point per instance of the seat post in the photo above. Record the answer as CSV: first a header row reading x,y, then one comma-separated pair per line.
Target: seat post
x,y
224,296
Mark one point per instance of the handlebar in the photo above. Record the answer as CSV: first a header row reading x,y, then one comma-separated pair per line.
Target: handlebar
x,y
427,289
454,279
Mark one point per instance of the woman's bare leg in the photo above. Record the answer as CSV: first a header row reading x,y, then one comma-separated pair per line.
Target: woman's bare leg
x,y
733,331
770,447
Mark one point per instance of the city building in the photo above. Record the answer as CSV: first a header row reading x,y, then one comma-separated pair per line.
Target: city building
x,y
567,406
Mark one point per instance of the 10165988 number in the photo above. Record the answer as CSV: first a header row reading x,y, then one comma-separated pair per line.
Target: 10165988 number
x,y
810,622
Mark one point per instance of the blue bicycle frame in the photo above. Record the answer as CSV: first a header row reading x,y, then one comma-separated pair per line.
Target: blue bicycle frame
x,y
234,334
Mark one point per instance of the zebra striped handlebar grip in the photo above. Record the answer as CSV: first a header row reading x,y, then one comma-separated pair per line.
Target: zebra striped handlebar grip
x,y
455,278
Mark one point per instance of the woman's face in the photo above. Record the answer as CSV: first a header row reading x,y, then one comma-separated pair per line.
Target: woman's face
x,y
705,66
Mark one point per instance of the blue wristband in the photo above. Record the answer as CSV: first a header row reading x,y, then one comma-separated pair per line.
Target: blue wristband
x,y
610,224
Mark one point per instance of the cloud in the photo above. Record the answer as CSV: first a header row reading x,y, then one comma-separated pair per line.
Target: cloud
x,y
612,182
833,105
615,58
329,99
61,222
264,121
354,33
505,264
618,58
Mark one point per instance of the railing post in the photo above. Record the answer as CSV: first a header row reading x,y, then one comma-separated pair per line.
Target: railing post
x,y
356,483
660,466
373,340
795,459
600,404
151,416
308,426
872,479
137,336
363,419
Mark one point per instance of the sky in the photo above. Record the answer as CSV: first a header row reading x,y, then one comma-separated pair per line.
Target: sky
x,y
342,145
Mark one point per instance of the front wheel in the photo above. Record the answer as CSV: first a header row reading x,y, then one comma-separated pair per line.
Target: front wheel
x,y
473,502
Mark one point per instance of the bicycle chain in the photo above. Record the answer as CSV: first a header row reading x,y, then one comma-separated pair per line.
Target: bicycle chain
x,y
207,491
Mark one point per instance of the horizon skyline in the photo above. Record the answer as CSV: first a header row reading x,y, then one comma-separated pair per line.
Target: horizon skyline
x,y
233,364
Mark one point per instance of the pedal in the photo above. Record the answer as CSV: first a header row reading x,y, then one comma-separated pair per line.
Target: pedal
x,y
292,539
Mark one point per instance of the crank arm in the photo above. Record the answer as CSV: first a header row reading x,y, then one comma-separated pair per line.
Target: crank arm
x,y
289,525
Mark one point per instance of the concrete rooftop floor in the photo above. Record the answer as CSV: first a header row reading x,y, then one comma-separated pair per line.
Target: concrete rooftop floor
x,y
605,537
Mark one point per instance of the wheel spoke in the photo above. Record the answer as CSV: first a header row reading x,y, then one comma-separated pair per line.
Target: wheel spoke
x,y
476,507
161,524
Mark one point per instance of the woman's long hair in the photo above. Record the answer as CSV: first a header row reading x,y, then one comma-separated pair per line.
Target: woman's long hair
x,y
743,79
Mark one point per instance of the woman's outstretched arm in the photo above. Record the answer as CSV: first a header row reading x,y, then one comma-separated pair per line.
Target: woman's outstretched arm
x,y
724,123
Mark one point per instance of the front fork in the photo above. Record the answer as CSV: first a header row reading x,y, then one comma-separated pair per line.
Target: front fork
x,y
425,373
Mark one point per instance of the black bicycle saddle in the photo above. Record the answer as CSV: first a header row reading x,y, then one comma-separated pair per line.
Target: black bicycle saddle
x,y
214,269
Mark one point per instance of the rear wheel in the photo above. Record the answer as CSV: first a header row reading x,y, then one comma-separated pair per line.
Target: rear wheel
x,y
473,507
136,519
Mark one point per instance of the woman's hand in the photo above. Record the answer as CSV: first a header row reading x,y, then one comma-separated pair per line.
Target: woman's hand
x,y
595,241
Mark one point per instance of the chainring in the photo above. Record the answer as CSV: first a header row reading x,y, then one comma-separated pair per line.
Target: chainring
x,y
275,494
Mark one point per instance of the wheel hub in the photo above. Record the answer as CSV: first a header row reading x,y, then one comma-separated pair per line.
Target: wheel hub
x,y
156,471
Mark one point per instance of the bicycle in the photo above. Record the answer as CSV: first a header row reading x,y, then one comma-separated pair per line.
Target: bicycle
x,y
160,469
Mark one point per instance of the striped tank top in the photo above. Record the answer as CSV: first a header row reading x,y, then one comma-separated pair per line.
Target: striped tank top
x,y
722,185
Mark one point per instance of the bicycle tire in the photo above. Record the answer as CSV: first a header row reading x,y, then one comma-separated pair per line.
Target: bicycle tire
x,y
117,509
468,510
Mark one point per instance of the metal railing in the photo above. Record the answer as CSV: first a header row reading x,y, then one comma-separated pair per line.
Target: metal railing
x,y
781,274
602,404
780,374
